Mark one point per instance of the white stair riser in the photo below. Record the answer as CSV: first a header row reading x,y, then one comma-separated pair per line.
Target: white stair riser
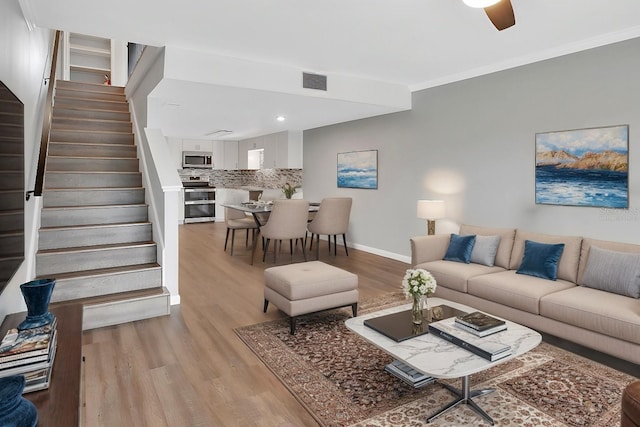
x,y
92,180
76,113
64,123
98,316
50,264
92,150
58,135
61,217
93,197
91,104
83,94
91,286
92,87
92,164
92,236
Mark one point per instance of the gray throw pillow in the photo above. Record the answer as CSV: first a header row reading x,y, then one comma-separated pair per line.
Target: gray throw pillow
x,y
485,250
611,271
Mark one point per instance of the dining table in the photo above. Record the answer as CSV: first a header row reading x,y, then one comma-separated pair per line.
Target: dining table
x,y
260,211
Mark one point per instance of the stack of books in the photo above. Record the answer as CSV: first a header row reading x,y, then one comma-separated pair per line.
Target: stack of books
x,y
407,374
480,324
31,353
489,348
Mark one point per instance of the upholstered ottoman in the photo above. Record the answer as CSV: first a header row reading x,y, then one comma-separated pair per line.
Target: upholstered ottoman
x,y
631,405
308,287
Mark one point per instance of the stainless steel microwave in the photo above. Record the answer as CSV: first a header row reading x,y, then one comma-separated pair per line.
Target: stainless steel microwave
x,y
197,159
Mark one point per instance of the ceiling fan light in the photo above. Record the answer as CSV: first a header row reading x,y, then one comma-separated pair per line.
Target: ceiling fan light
x,y
480,3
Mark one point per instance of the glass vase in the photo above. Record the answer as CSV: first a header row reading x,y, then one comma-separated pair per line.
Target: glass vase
x,y
416,310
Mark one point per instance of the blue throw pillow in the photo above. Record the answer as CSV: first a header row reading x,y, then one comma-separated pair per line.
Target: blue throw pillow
x,y
460,248
541,259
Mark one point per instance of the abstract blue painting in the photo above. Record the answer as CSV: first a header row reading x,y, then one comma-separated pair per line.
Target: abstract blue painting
x,y
358,169
585,167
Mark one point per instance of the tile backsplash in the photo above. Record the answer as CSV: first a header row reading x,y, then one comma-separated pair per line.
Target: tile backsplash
x,y
258,178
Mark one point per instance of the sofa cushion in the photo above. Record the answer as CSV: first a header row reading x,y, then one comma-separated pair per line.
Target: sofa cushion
x,y
515,290
613,271
568,264
454,275
506,240
602,244
460,248
540,259
485,249
604,312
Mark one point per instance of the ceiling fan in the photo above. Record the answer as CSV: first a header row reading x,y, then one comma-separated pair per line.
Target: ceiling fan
x,y
500,12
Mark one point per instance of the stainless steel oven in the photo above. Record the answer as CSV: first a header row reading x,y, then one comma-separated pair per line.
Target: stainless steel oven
x,y
199,201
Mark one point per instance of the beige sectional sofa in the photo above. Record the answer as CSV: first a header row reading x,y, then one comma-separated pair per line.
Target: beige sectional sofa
x,y
566,308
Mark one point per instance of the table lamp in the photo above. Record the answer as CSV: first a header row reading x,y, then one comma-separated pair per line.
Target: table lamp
x,y
431,210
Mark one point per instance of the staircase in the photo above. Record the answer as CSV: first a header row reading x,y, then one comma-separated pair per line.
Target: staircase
x,y
95,237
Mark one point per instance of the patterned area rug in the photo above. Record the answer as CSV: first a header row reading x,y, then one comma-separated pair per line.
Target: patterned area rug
x,y
340,380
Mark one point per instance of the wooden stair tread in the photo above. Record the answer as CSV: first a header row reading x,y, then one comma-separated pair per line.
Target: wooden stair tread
x,y
106,271
95,248
119,297
87,226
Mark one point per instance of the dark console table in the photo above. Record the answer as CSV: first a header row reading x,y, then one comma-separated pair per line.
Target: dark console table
x,y
59,405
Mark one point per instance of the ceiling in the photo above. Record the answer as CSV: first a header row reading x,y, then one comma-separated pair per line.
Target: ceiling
x,y
414,43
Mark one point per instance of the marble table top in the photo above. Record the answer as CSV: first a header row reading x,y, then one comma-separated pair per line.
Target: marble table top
x,y
437,357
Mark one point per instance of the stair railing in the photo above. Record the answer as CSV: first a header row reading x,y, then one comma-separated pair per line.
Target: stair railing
x,y
46,121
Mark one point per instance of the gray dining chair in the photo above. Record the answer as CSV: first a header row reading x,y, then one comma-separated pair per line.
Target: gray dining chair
x,y
238,220
287,221
332,219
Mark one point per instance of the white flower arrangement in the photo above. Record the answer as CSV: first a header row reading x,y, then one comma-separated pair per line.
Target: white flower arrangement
x,y
418,282
289,190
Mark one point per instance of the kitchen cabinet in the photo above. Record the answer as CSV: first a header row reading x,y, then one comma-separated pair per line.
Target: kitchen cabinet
x,y
197,145
218,154
281,150
230,155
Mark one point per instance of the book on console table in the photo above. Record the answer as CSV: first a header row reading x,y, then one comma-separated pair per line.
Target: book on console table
x,y
489,348
30,364
27,343
482,333
479,321
407,374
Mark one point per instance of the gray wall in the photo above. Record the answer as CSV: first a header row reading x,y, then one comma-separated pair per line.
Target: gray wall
x,y
472,143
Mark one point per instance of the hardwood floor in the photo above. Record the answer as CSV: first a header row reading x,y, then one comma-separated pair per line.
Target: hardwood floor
x,y
190,368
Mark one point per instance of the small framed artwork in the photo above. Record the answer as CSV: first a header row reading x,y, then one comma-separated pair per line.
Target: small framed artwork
x,y
358,169
584,167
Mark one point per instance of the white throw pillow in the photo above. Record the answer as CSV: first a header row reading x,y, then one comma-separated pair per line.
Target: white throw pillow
x,y
485,249
611,271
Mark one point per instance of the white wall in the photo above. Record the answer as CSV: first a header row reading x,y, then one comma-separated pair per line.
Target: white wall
x,y
471,143
161,180
25,55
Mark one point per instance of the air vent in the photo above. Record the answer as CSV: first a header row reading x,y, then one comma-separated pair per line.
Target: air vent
x,y
314,81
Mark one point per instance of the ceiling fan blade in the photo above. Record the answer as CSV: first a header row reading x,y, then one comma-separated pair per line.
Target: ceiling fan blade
x,y
501,14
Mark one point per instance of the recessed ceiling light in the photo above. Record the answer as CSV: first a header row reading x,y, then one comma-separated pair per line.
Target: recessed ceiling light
x,y
280,118
480,3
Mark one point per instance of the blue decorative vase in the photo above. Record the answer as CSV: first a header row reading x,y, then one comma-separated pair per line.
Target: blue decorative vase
x,y
37,295
15,410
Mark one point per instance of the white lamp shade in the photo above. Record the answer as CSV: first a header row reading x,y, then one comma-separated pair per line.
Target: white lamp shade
x,y
480,3
431,209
